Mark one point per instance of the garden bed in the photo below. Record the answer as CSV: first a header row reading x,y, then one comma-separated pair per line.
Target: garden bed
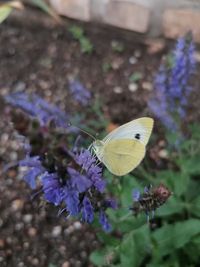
x,y
41,59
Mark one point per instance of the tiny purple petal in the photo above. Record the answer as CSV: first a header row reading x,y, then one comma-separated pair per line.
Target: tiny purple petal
x,y
103,220
136,195
87,210
31,175
81,182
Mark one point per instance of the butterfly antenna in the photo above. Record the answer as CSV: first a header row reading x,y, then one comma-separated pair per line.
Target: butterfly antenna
x,y
70,124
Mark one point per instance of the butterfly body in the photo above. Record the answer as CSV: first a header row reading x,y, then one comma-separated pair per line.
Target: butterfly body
x,y
124,148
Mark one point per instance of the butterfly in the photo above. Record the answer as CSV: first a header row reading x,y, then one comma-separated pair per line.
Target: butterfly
x,y
123,149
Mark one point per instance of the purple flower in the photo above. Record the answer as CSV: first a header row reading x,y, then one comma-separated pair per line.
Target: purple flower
x,y
79,93
172,85
52,188
79,181
37,107
34,171
87,210
136,194
80,188
103,220
88,164
71,199
31,175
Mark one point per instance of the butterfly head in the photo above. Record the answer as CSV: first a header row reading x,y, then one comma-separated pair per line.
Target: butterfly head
x,y
98,147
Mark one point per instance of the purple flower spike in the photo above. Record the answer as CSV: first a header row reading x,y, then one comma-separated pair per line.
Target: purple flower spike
x,y
172,86
37,107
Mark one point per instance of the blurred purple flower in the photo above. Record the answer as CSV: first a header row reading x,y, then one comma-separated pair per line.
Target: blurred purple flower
x,y
172,85
37,107
79,93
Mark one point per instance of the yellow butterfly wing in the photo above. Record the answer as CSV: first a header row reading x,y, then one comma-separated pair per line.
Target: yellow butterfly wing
x,y
141,128
123,155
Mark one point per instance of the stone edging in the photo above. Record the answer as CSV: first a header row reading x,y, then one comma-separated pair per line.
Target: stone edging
x,y
152,17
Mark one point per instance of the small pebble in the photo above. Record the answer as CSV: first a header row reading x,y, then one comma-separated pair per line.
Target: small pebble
x,y
137,53
32,232
117,90
133,87
66,264
19,226
9,240
2,243
116,64
163,153
133,60
17,204
77,225
27,218
20,86
56,231
26,245
35,261
147,86
13,156
197,56
69,230
4,137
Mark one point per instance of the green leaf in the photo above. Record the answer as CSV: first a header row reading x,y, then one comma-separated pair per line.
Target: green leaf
x,y
5,11
179,182
135,77
86,45
76,31
171,237
129,183
108,239
102,257
173,206
117,46
195,207
98,257
46,8
135,247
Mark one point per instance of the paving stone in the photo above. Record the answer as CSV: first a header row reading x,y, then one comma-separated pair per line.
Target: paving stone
x,y
76,9
127,15
177,22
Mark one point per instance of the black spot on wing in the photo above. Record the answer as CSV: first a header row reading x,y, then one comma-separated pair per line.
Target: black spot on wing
x,y
137,136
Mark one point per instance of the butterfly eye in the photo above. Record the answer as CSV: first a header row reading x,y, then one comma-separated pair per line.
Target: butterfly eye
x,y
137,136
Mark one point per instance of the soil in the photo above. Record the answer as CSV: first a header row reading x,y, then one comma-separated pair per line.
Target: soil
x,y
41,57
